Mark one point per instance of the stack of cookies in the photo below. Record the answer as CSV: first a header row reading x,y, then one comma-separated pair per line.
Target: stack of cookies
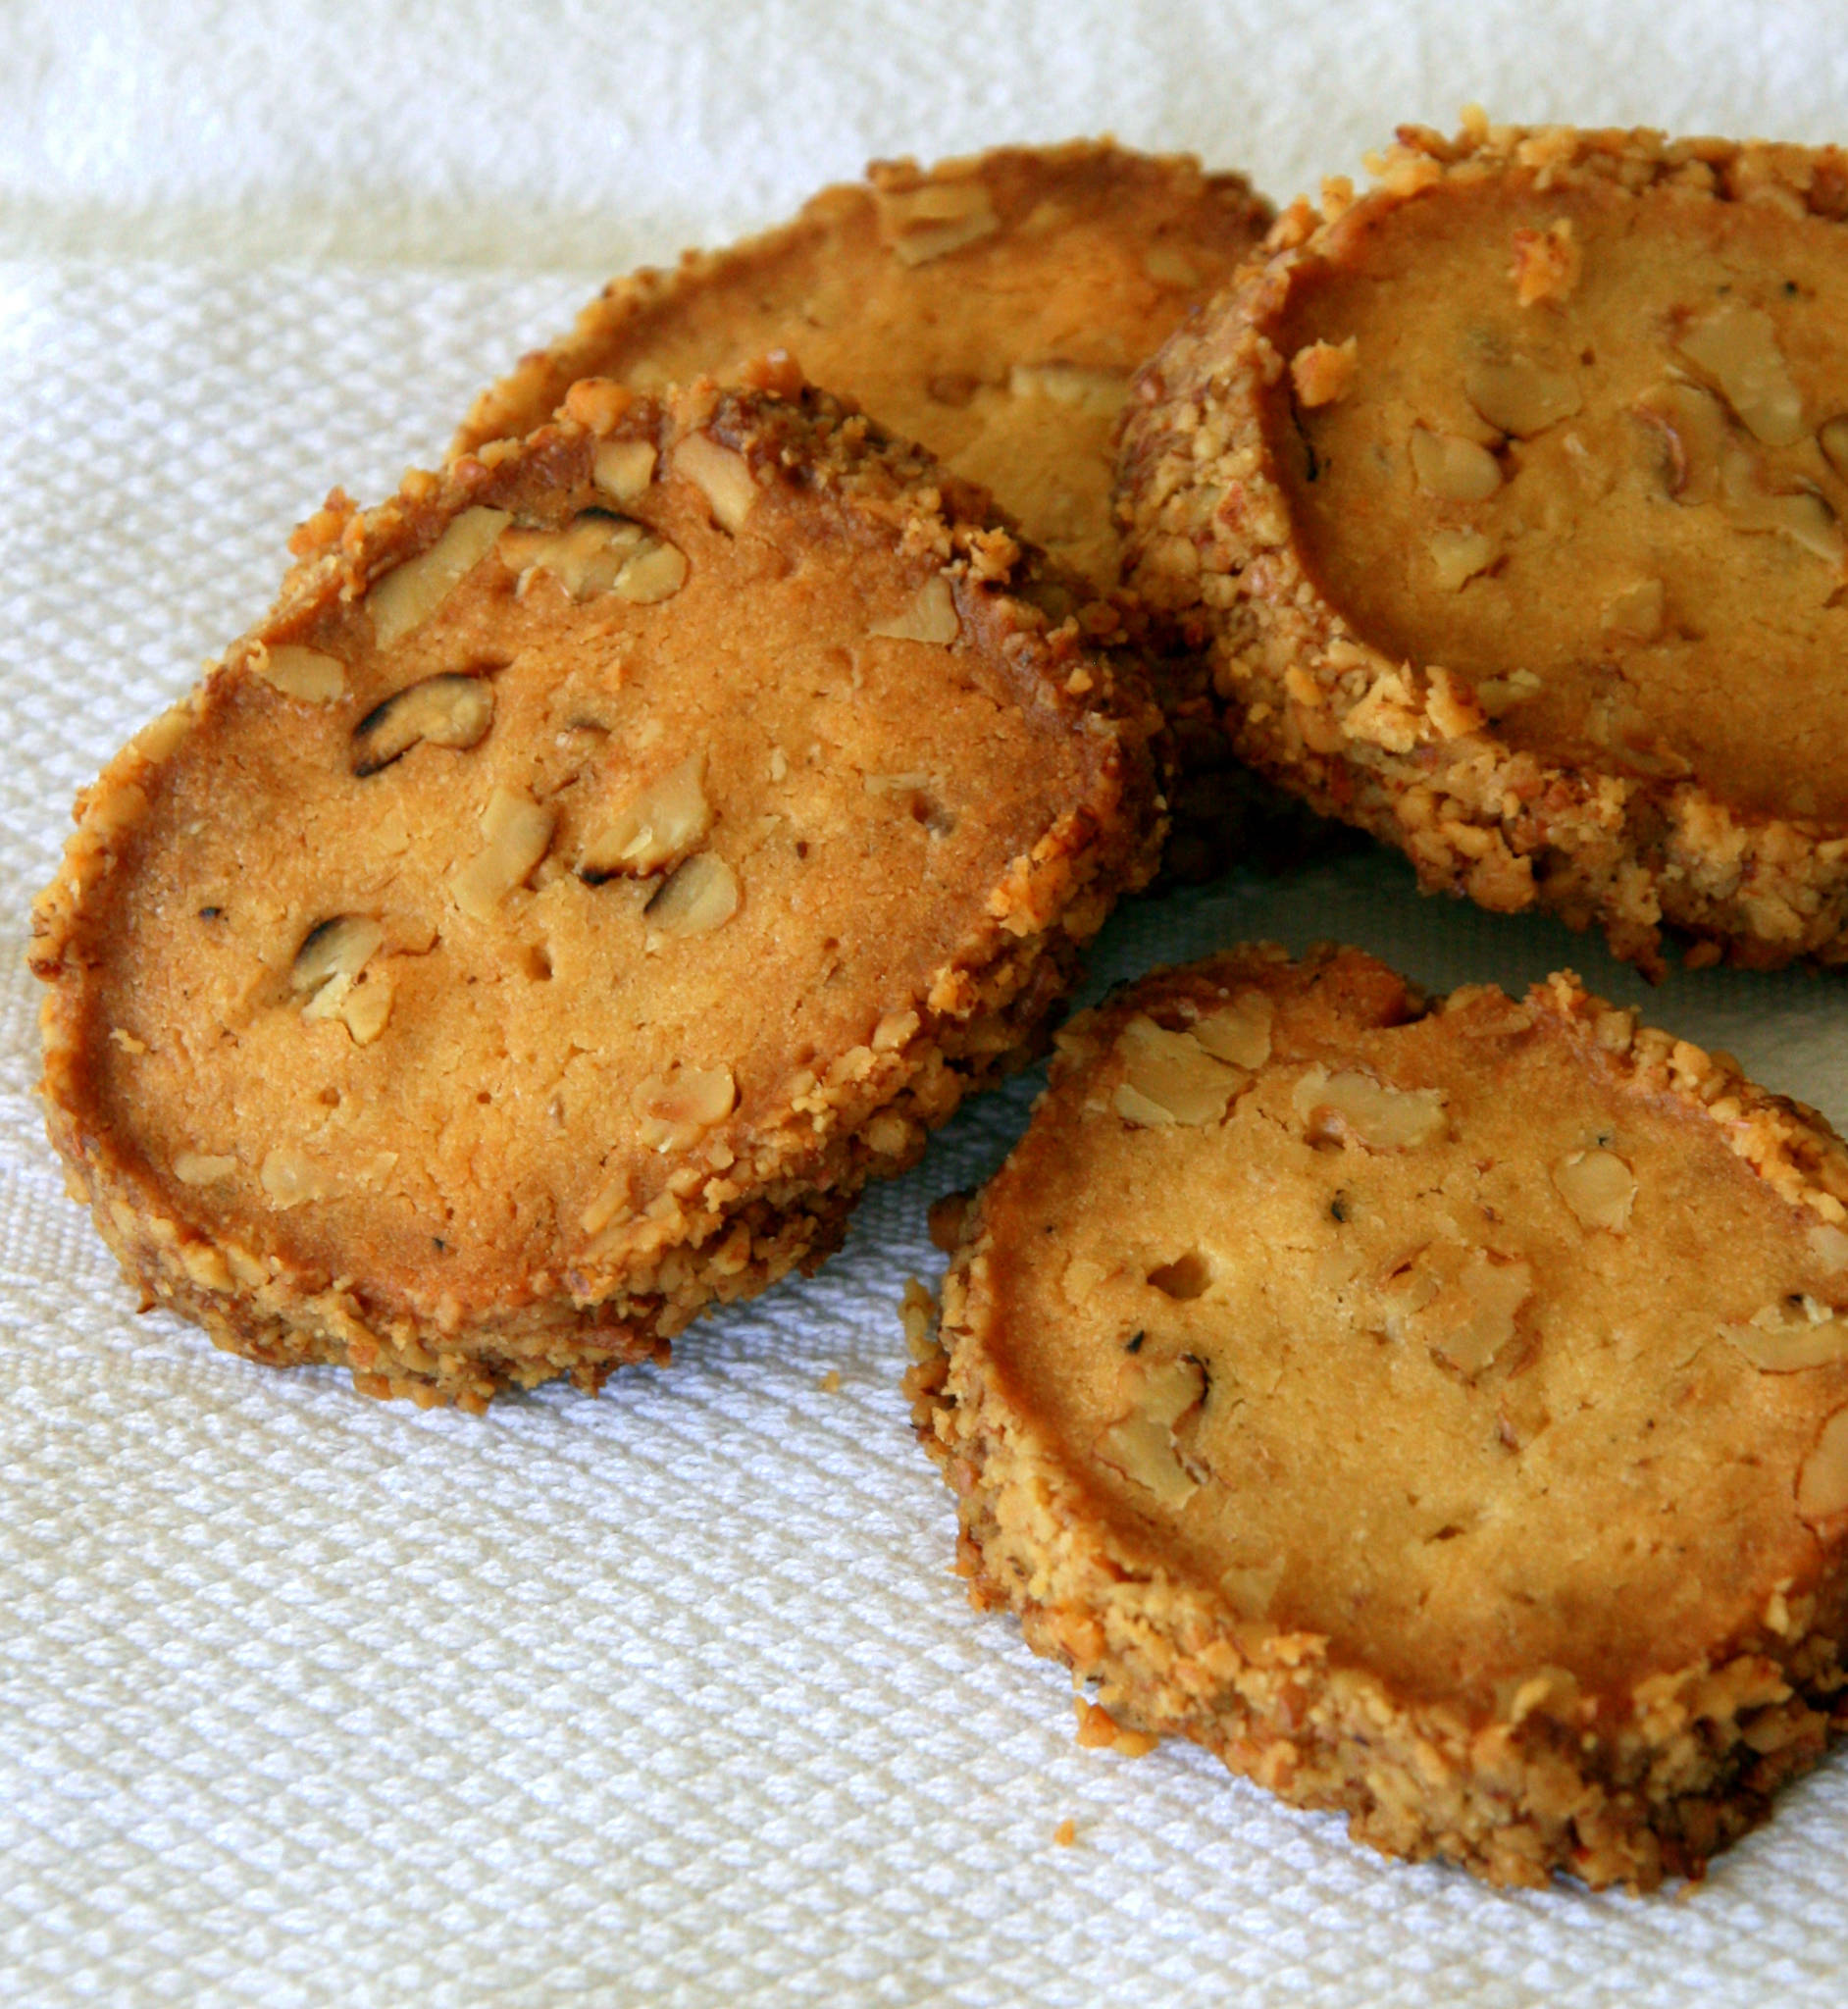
x,y
614,850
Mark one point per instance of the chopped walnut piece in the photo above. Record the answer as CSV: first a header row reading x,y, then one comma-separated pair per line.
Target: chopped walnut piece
x,y
673,1109
408,595
654,829
1141,1444
1350,1103
1784,1338
930,222
198,1168
1823,1481
1460,1303
721,476
1322,371
1521,397
1098,392
1737,347
1453,469
701,896
1799,514
585,557
289,1177
1237,1031
624,468
309,674
1693,428
1169,1077
654,573
1598,1187
1831,435
1547,264
448,710
516,832
1458,555
334,948
931,616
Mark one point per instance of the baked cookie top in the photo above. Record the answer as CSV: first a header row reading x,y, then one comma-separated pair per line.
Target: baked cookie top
x,y
617,836
1558,422
1476,1360
991,307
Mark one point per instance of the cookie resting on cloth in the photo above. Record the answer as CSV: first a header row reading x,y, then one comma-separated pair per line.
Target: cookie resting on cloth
x,y
1437,1409
605,858
1508,498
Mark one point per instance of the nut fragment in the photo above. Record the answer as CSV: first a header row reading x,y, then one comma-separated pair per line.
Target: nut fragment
x,y
1169,1077
516,832
655,829
930,222
1799,514
1547,262
1141,1445
1831,435
1693,429
585,557
1458,555
624,468
198,1168
654,573
1520,397
448,710
297,672
1823,1481
1239,1030
1098,392
721,476
1453,469
701,896
289,1176
1784,1338
1350,1103
1636,611
409,593
1828,1244
1322,371
1737,347
674,1108
1599,1188
931,616
1460,1303
335,949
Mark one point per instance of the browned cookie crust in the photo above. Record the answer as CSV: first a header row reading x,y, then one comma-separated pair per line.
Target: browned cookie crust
x,y
1506,497
992,308
605,859
1437,1409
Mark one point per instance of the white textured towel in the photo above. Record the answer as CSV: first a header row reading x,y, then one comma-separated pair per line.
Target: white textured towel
x,y
667,1697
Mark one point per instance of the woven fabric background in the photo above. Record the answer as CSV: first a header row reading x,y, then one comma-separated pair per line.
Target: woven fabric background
x,y
667,1697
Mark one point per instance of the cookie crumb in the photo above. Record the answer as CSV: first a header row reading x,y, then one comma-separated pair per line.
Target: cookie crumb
x,y
1065,1833
830,1382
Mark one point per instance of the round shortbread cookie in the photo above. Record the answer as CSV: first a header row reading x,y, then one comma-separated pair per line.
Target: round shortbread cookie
x,y
605,859
1509,497
992,308
1439,1410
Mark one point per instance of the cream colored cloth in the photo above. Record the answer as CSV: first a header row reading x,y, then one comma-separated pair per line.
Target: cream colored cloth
x,y
667,1697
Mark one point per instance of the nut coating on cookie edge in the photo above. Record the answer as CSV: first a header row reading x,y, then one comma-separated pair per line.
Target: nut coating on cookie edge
x,y
605,859
1547,589
1445,1422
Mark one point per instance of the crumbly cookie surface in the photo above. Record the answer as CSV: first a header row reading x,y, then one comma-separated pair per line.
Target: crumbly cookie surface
x,y
1445,1419
605,859
1510,496
991,308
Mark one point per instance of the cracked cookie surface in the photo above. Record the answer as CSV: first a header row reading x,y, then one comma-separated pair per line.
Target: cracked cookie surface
x,y
1445,1421
605,859
1508,497
991,308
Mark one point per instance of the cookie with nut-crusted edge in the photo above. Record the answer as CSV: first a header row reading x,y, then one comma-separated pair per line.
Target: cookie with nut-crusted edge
x,y
991,307
605,859
1437,1409
1509,497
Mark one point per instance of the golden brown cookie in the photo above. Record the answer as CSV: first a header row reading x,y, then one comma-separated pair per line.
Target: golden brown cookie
x,y
1508,497
992,308
605,859
1439,1410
